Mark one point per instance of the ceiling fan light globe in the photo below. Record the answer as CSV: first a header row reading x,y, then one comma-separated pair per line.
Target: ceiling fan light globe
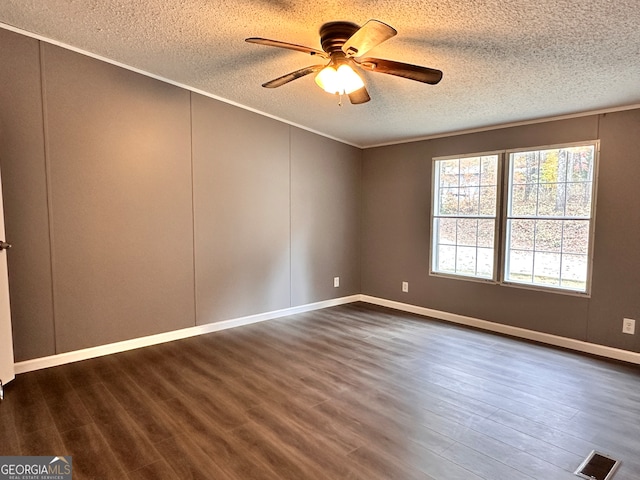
x,y
349,80
327,79
341,81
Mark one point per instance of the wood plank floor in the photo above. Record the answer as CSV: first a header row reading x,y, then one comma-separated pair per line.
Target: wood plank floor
x,y
349,392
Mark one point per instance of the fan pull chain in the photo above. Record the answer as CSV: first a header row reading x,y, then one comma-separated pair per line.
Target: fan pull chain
x,y
340,100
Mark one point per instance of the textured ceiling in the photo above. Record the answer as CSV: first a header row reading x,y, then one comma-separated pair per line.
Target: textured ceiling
x,y
504,61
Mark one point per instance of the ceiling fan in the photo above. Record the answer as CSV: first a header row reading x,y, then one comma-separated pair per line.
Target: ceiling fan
x,y
344,44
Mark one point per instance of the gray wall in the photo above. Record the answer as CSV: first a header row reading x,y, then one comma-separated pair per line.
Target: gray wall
x,y
136,207
325,217
396,232
24,185
118,149
241,202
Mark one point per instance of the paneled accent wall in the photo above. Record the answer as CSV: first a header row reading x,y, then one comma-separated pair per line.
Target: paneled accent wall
x,y
118,147
24,185
241,205
136,207
325,218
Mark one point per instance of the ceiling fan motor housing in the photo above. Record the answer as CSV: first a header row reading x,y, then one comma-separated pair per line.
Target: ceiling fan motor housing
x,y
334,34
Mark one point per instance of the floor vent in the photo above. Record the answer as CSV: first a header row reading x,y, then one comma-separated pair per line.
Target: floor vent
x,y
597,466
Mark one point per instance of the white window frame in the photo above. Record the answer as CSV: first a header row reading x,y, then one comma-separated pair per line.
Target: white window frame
x,y
500,234
591,219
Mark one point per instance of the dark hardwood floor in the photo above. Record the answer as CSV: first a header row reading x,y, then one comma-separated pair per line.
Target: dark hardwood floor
x,y
350,392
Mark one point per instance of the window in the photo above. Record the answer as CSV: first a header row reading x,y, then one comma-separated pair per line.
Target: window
x,y
464,215
542,239
549,217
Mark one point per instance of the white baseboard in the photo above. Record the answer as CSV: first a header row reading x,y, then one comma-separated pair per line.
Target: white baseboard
x,y
99,351
555,340
93,352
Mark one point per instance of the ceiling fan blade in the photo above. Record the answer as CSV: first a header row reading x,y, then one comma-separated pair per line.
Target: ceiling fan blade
x,y
278,82
290,46
359,96
371,34
406,70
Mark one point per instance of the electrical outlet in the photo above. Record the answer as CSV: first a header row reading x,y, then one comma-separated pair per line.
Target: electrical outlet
x,y
629,326
336,282
405,286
